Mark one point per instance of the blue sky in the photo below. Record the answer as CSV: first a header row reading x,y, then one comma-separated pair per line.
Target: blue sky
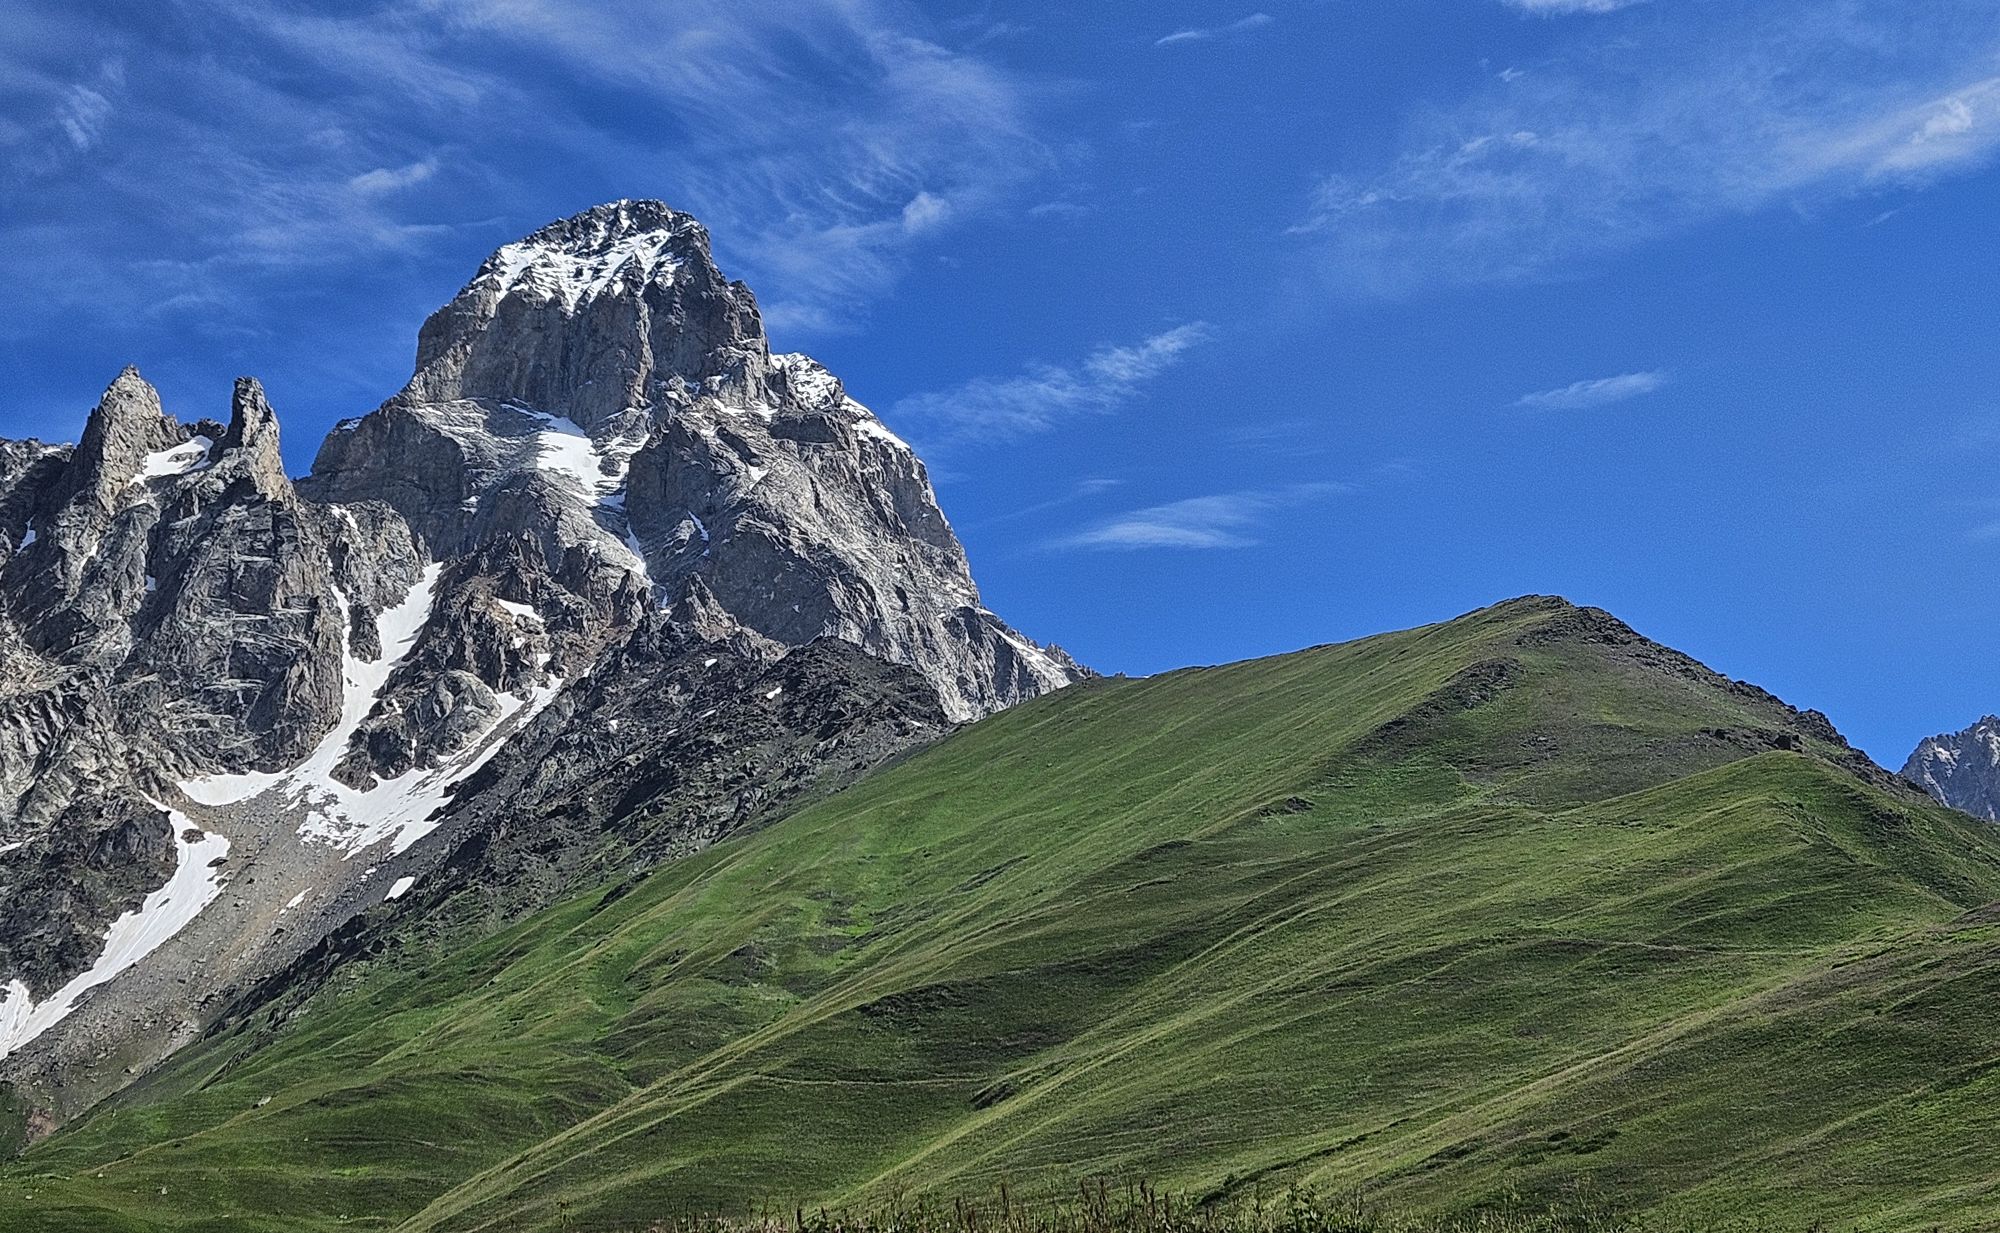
x,y
1227,328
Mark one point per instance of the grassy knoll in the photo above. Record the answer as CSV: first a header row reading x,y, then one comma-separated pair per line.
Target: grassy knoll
x,y
1464,919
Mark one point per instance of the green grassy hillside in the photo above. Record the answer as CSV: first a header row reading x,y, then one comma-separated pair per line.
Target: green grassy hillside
x,y
1471,916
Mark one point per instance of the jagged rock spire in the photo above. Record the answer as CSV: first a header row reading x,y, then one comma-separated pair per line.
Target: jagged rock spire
x,y
250,444
601,386
1961,769
591,315
126,427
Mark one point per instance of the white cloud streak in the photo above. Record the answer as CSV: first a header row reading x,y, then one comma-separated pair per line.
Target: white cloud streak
x,y
389,179
998,408
925,212
84,116
1633,132
824,144
1602,392
1220,520
1203,34
1566,8
826,172
1082,490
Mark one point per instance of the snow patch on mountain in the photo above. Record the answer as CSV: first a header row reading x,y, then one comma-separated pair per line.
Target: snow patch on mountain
x,y
566,450
196,881
361,685
398,811
574,276
402,810
869,426
183,459
819,388
598,469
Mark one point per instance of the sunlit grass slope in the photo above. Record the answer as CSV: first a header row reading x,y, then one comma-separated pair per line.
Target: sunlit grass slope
x,y
1470,915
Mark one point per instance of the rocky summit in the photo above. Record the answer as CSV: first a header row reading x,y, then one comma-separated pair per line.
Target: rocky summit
x,y
575,562
1961,769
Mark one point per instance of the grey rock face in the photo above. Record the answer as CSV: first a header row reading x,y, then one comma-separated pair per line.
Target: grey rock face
x,y
173,607
586,316
165,604
602,388
169,607
1961,769
67,885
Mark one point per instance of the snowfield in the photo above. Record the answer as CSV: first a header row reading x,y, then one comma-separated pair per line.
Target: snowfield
x,y
196,881
394,810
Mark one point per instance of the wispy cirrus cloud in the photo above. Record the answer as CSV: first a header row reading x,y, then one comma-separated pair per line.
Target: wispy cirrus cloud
x,y
1204,34
1564,8
828,140
824,144
54,118
1218,520
1082,490
1601,392
1634,131
389,179
998,408
85,112
193,175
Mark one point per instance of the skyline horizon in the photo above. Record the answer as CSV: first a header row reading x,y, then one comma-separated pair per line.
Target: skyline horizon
x,y
296,471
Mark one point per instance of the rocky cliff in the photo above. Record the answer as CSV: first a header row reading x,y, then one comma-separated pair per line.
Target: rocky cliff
x,y
547,605
1962,769
601,386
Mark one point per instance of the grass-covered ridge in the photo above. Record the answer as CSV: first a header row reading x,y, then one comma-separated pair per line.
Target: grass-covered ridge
x,y
1454,917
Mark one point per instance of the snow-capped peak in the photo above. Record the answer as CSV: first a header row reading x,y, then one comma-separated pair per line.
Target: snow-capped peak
x,y
577,259
819,390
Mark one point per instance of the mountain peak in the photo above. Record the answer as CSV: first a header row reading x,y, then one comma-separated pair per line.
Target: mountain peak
x,y
619,244
601,383
250,414
130,398
251,440
126,429
613,221
1961,769
588,316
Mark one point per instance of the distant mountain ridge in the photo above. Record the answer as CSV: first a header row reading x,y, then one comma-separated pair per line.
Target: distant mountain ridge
x,y
236,710
1961,769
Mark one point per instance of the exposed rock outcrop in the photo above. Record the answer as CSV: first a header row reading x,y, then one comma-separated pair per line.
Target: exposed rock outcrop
x,y
601,386
1961,769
